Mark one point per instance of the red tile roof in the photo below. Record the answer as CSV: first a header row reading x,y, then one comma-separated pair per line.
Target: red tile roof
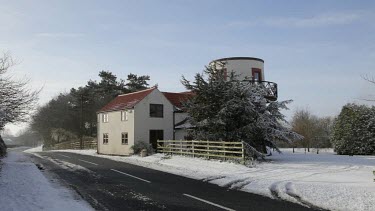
x,y
178,98
126,101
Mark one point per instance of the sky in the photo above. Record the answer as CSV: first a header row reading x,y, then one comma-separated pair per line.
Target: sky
x,y
316,51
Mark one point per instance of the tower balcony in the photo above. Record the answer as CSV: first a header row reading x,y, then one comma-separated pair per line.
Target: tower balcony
x,y
269,87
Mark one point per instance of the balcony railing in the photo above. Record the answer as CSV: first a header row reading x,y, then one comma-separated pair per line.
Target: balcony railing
x,y
269,87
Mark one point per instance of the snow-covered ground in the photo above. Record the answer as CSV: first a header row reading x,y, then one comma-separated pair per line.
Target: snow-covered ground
x,y
323,180
24,187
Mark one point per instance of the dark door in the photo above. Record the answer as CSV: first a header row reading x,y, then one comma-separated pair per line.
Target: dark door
x,y
257,74
154,136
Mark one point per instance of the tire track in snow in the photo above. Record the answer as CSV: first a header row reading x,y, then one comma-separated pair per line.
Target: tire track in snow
x,y
291,192
237,184
275,192
209,179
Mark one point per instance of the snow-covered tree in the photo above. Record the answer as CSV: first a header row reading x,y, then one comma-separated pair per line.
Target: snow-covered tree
x,y
227,109
354,130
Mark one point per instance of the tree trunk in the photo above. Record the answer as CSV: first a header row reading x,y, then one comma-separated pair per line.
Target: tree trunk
x,y
3,147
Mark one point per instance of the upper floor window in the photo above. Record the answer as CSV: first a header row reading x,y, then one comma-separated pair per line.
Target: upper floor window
x,y
105,117
124,138
124,115
156,110
105,138
256,74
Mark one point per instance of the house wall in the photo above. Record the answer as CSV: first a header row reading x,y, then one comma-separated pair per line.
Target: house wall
x,y
114,127
144,123
180,117
180,133
243,67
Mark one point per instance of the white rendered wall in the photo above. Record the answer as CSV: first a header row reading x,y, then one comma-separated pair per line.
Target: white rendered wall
x,y
243,67
114,127
180,133
144,123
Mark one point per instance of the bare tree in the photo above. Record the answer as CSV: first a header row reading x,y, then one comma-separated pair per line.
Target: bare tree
x,y
16,97
304,123
370,79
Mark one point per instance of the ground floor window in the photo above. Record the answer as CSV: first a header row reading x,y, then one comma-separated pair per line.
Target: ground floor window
x,y
124,138
105,138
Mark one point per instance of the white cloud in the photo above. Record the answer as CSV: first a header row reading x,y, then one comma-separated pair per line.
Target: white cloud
x,y
313,21
59,35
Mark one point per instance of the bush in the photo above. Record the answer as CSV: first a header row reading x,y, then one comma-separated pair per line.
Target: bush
x,y
140,145
354,130
61,135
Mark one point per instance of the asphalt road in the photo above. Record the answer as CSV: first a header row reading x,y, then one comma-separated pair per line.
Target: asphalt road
x,y
112,185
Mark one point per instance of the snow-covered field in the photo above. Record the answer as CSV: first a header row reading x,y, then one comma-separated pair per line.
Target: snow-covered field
x,y
24,187
323,180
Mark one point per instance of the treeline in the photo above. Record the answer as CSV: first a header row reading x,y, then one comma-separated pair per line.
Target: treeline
x,y
352,132
75,112
315,130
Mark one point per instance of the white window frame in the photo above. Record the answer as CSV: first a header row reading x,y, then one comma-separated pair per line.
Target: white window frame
x,y
124,115
105,117
124,138
105,138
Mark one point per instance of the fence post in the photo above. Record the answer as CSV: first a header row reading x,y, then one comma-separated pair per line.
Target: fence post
x,y
224,149
243,152
180,147
192,144
208,148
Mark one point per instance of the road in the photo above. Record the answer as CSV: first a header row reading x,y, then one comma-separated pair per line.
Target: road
x,y
112,185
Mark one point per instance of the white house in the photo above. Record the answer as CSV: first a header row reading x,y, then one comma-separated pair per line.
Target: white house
x,y
149,115
146,115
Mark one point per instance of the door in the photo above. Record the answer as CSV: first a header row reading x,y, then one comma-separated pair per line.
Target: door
x,y
257,74
154,136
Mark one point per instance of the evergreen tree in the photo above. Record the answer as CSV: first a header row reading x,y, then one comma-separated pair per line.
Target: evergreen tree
x,y
354,130
64,111
226,109
136,83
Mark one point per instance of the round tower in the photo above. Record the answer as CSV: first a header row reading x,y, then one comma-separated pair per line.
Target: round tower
x,y
246,68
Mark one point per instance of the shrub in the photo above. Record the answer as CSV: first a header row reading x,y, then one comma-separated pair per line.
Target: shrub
x,y
140,145
354,130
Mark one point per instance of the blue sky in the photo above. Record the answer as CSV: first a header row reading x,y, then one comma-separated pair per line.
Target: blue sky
x,y
315,50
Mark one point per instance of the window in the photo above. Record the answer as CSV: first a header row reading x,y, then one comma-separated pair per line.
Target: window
x,y
156,110
124,115
105,117
124,138
105,138
256,74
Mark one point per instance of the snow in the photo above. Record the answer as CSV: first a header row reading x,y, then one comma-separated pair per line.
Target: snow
x,y
324,180
35,149
24,187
